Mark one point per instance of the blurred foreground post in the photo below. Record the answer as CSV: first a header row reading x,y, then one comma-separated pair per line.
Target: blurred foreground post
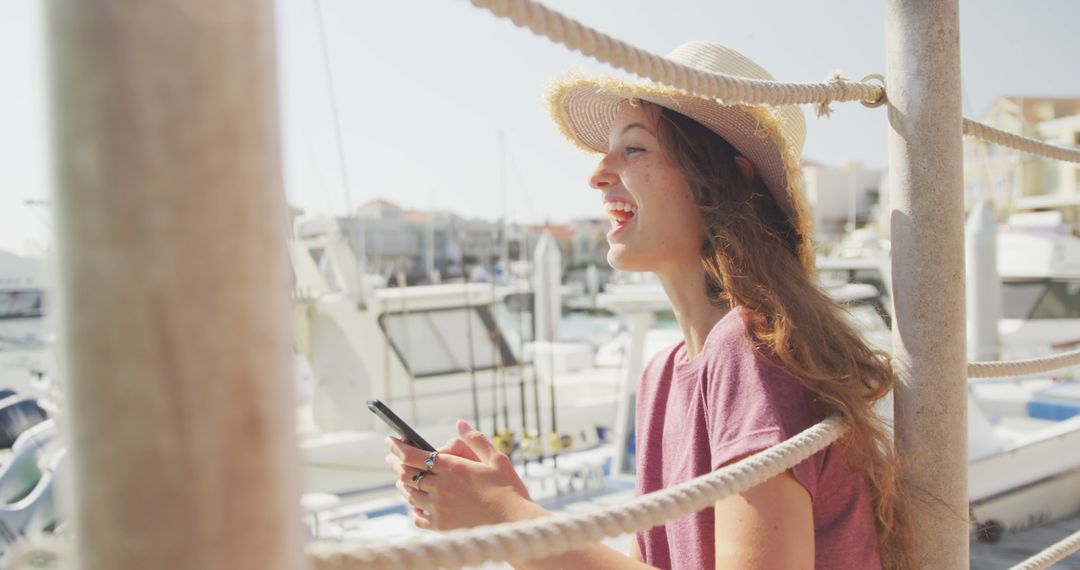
x,y
175,284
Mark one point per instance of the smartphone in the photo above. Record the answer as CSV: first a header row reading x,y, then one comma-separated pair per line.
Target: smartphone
x,y
397,424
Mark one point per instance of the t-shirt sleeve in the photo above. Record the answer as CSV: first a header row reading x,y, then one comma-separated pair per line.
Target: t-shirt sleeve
x,y
752,405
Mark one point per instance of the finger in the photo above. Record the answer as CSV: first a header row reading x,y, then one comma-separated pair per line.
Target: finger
x,y
444,462
477,441
408,474
403,490
459,448
409,455
422,520
399,469
415,497
395,464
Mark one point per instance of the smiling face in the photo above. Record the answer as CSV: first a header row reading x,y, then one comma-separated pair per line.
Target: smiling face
x,y
655,225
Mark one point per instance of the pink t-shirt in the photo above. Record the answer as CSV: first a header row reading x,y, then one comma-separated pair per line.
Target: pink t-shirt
x,y
693,417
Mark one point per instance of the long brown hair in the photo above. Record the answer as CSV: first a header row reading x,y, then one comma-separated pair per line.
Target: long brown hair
x,y
753,256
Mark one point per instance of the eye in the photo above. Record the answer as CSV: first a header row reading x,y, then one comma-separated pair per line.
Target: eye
x,y
633,150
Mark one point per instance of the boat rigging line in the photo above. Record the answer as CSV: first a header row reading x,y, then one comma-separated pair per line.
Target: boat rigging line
x,y
403,283
556,441
494,380
521,372
472,358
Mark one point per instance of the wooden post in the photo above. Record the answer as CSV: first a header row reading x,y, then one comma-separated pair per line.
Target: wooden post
x,y
175,284
926,187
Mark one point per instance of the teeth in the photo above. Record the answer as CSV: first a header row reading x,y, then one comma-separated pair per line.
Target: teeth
x,y
619,212
620,206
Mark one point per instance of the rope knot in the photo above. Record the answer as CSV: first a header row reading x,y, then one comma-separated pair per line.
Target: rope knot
x,y
823,109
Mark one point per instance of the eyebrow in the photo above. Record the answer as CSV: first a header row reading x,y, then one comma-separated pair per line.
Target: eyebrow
x,y
638,125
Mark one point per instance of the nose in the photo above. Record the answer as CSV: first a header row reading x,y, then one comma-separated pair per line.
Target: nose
x,y
603,177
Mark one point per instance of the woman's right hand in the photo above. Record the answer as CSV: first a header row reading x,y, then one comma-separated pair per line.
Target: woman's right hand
x,y
471,484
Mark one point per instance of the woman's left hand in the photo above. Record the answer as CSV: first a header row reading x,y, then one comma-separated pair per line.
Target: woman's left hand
x,y
471,483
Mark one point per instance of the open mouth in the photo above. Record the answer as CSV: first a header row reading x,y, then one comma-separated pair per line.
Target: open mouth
x,y
620,213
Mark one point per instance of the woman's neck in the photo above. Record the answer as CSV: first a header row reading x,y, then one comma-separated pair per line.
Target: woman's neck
x,y
695,313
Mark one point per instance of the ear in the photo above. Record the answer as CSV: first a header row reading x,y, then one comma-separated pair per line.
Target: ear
x,y
745,167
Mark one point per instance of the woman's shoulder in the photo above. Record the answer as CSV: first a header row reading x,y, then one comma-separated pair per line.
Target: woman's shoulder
x,y
733,355
664,359
730,335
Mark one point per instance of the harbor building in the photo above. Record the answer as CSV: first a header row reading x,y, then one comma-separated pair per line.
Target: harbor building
x,y
1020,182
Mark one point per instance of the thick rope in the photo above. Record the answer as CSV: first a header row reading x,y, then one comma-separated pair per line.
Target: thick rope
x,y
555,535
1021,143
576,36
1057,552
560,29
550,536
1021,367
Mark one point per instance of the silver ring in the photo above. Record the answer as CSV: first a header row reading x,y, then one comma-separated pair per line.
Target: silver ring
x,y
884,98
416,479
430,461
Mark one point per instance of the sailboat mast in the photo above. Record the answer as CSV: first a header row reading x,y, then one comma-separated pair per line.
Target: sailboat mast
x,y
504,247
343,164
504,256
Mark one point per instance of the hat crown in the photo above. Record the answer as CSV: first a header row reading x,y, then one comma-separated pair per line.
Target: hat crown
x,y
717,58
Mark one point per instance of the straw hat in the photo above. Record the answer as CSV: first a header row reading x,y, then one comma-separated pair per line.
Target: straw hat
x,y
772,138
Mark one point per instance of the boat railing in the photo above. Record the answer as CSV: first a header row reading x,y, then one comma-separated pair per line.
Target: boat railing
x,y
100,162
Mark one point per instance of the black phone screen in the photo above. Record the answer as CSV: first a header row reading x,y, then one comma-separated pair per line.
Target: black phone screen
x,y
398,425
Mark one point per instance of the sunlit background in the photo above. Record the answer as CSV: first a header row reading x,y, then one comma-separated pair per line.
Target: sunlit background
x,y
423,90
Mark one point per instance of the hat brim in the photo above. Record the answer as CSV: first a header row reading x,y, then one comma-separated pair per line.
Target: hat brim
x,y
584,108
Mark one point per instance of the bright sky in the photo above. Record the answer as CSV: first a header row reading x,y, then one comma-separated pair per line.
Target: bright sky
x,y
425,87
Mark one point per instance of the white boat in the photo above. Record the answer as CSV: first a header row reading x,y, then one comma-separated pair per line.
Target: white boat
x,y
1040,274
1040,278
24,356
437,353
1022,432
434,354
31,460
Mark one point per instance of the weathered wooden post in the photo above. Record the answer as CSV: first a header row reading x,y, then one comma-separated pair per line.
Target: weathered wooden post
x,y
175,284
926,187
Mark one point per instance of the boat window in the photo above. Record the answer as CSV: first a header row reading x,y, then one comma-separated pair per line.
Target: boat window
x,y
20,304
1020,298
1042,300
437,342
327,269
1061,301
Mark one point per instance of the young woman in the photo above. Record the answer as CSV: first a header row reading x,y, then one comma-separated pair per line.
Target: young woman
x,y
705,195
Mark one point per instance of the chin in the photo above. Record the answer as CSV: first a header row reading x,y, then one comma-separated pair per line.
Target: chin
x,y
619,258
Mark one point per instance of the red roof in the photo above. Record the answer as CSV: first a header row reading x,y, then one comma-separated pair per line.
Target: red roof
x,y
379,202
417,217
561,232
